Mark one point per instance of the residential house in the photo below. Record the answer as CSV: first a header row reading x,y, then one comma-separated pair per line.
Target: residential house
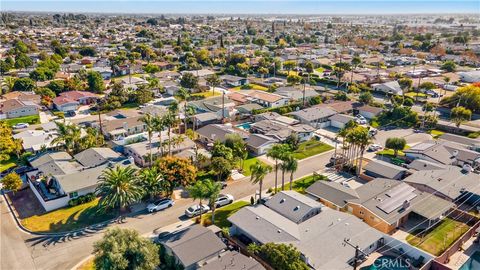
x,y
259,144
369,112
117,129
443,152
233,81
382,169
266,99
14,108
217,132
340,120
392,87
296,94
58,177
470,76
384,204
316,117
69,101
22,96
291,218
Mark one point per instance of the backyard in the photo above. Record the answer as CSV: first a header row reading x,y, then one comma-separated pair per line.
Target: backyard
x,y
221,214
7,164
31,119
67,219
311,148
250,86
438,239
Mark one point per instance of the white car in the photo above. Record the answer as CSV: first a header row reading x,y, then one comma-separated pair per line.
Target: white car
x,y
195,210
21,125
223,200
160,205
374,147
361,121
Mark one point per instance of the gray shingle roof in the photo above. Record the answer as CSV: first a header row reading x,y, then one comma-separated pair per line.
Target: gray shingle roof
x,y
231,260
96,156
333,192
384,169
293,205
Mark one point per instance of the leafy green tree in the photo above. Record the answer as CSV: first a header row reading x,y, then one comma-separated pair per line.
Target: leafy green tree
x,y
68,135
213,81
260,42
12,181
151,181
119,187
294,79
222,167
467,96
259,171
87,51
449,66
405,84
142,95
220,150
460,115
396,144
151,68
95,82
281,256
56,86
24,84
189,80
365,98
176,172
289,65
293,141
124,249
23,61
238,146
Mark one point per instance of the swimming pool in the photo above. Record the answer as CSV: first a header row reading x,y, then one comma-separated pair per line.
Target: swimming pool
x,y
245,126
472,263
388,263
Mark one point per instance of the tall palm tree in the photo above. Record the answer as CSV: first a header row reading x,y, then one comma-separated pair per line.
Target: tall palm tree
x,y
170,121
118,187
184,95
276,153
69,135
151,181
149,122
356,60
259,171
212,190
291,166
159,125
363,140
199,192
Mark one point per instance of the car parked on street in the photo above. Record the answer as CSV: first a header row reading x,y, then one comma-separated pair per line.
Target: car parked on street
x,y
374,148
223,200
21,125
195,210
160,205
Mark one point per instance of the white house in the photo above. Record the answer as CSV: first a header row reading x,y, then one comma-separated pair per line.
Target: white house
x,y
392,87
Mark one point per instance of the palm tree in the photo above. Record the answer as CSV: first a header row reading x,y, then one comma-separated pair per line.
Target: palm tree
x,y
151,181
184,95
69,135
198,192
276,153
363,139
149,122
170,121
291,166
212,190
356,60
259,171
159,125
118,187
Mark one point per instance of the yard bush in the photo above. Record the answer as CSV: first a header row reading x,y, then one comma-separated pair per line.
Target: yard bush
x,y
82,199
473,135
59,114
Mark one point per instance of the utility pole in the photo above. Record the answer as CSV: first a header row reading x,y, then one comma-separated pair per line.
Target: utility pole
x,y
346,241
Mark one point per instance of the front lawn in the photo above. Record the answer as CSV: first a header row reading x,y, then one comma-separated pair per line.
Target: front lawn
x,y
413,95
67,219
7,164
436,133
207,94
390,153
250,86
31,119
320,70
303,183
437,240
246,165
221,214
311,148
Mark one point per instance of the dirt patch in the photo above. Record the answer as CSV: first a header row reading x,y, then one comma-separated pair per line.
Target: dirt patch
x,y
25,203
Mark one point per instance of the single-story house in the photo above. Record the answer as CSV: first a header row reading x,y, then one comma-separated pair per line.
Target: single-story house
x,y
315,116
379,168
340,120
392,87
369,112
14,108
233,81
217,132
259,144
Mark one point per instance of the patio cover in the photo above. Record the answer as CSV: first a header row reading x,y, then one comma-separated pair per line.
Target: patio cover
x,y
431,207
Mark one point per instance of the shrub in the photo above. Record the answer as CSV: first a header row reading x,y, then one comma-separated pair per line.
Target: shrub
x,y
82,199
473,135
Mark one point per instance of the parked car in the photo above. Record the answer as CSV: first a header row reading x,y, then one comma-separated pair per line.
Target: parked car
x,y
373,132
21,125
70,114
374,147
223,200
160,205
224,184
195,210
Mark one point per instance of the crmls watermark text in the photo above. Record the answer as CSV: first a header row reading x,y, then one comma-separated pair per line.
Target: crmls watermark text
x,y
391,263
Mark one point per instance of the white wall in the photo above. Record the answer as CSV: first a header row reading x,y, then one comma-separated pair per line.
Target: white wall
x,y
52,204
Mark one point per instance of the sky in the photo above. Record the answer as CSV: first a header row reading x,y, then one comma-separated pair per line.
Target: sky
x,y
246,6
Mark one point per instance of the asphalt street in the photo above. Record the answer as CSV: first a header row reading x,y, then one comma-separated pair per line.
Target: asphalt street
x,y
24,252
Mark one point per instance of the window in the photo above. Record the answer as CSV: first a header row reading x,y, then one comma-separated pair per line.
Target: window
x,y
362,213
73,194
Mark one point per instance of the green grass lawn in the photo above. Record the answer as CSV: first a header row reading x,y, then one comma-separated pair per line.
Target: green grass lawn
x,y
246,165
413,94
303,183
436,241
221,214
251,86
7,164
31,119
311,148
207,94
129,105
320,70
88,265
67,219
436,133
390,152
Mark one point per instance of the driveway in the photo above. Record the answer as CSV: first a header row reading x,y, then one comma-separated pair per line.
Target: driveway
x,y
66,252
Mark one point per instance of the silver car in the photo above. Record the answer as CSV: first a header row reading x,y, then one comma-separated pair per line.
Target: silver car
x,y
195,210
223,200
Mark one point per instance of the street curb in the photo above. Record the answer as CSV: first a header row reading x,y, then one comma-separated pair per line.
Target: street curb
x,y
60,234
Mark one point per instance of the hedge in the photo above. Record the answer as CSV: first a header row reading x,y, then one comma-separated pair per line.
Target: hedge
x,y
82,199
